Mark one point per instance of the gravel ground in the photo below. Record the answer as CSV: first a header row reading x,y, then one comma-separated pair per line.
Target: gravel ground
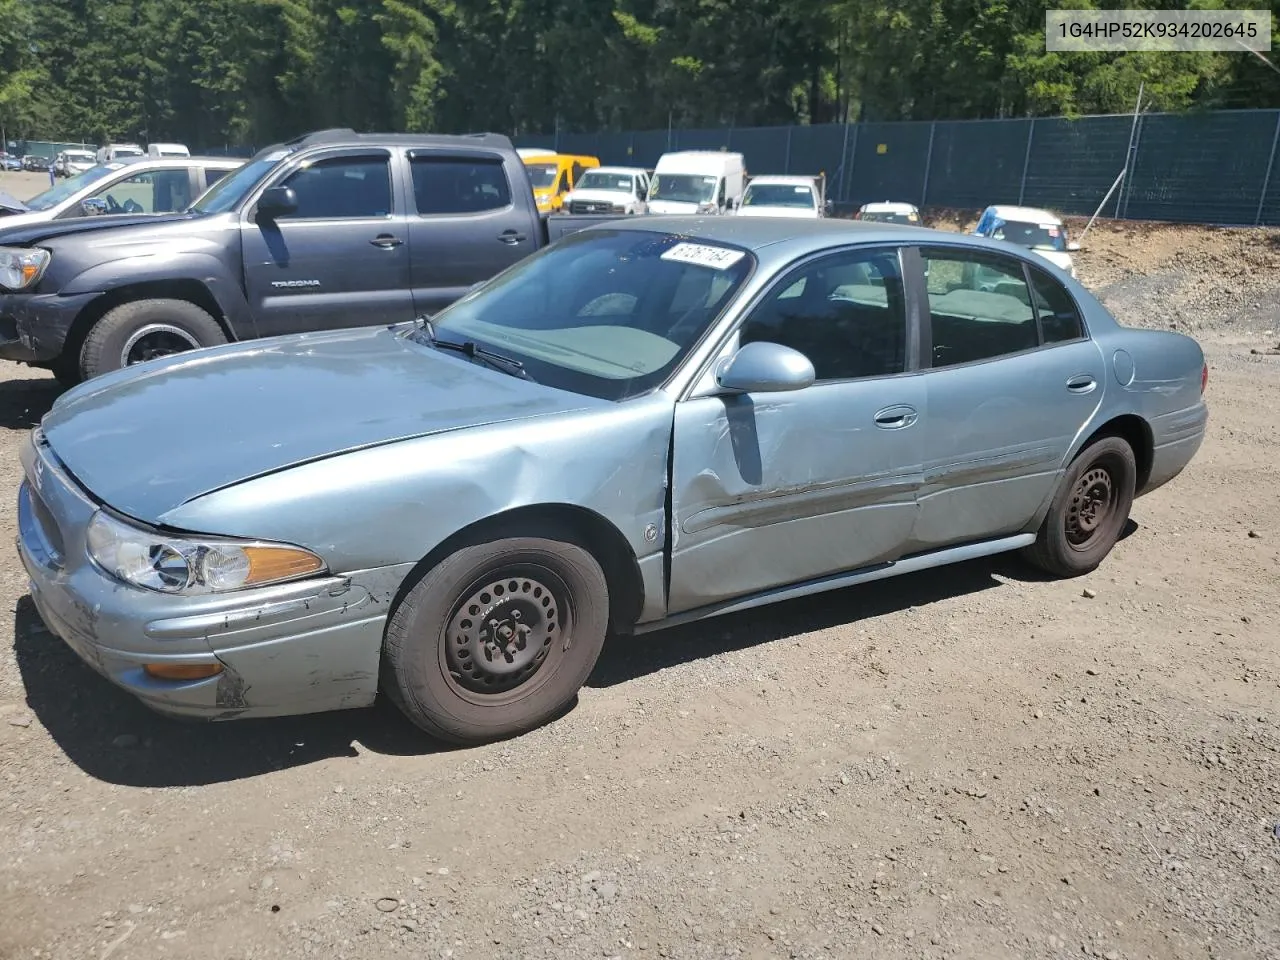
x,y
967,763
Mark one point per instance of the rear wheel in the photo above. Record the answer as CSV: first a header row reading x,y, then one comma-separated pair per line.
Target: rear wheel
x,y
497,638
1089,510
144,330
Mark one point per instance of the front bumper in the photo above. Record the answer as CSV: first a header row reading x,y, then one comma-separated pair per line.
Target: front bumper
x,y
34,326
303,647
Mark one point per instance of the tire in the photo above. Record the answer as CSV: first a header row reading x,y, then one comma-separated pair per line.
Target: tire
x,y
143,330
1071,540
467,682
66,369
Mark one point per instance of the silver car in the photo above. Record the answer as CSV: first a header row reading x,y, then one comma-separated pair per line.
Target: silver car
x,y
139,185
651,421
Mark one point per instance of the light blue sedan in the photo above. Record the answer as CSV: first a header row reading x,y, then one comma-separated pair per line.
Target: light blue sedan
x,y
649,422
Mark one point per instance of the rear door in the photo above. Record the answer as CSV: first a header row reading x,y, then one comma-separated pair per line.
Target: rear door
x,y
464,226
1013,379
341,259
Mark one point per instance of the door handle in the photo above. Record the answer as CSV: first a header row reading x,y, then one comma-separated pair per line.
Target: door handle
x,y
1081,383
896,417
386,241
511,237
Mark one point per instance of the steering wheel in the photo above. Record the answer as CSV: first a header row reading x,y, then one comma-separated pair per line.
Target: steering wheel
x,y
112,205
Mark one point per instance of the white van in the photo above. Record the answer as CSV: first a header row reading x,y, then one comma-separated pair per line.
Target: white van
x,y
167,150
119,151
697,181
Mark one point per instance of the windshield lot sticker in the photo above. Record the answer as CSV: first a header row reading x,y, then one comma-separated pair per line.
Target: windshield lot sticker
x,y
699,254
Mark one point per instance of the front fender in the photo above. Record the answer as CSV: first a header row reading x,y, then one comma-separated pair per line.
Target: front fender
x,y
206,269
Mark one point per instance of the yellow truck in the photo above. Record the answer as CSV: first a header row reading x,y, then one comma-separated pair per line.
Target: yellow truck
x,y
552,175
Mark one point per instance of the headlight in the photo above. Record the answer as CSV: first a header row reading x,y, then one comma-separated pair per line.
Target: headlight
x,y
21,267
192,565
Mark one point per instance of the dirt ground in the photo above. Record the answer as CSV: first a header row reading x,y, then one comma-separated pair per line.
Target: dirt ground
x,y
967,763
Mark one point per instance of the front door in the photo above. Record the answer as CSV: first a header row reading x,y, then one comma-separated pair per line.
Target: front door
x,y
465,228
340,260
778,488
1014,380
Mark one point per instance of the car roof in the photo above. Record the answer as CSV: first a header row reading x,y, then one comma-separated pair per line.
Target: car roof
x,y
344,136
889,206
629,170
787,180
1006,212
180,161
759,233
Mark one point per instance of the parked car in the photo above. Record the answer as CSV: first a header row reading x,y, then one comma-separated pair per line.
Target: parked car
x,y
553,175
328,230
10,162
697,182
167,150
119,151
70,163
802,197
609,190
34,162
888,211
1039,230
632,428
139,185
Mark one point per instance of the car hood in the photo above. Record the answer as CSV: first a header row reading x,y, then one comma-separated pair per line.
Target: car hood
x,y
799,213
40,227
1058,258
672,206
620,197
11,204
150,438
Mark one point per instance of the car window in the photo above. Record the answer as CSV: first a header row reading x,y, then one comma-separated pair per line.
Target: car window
x,y
979,306
607,313
444,185
846,313
342,188
160,191
1059,317
212,175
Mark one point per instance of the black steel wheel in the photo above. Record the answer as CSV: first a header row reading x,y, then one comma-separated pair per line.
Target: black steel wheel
x,y
1089,511
497,638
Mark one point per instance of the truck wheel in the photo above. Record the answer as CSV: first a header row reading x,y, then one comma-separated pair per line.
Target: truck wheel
x,y
1089,510
497,638
144,330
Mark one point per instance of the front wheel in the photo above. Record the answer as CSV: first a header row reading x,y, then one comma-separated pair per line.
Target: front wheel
x,y
145,330
497,638
1089,510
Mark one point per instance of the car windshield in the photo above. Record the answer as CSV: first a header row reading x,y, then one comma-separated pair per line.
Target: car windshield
x,y
888,216
605,313
598,180
1038,236
70,186
778,195
542,175
683,187
230,190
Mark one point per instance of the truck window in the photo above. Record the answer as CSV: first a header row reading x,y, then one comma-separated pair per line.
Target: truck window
x,y
161,191
445,185
342,188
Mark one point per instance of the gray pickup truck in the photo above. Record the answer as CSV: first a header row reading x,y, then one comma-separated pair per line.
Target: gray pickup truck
x,y
333,229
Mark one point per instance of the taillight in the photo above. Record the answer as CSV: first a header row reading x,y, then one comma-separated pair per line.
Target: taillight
x,y
1204,378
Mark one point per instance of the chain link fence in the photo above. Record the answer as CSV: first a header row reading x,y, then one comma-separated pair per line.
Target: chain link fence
x,y
1213,167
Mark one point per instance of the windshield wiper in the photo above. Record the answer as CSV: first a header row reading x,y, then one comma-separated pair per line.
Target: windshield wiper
x,y
473,351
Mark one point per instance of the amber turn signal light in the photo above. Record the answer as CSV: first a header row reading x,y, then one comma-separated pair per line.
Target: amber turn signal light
x,y
182,671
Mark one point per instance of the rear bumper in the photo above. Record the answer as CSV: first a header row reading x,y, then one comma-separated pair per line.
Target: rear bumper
x,y
303,647
1177,438
34,327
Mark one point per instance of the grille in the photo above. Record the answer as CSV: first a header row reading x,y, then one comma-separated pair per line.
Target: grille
x,y
48,526
590,206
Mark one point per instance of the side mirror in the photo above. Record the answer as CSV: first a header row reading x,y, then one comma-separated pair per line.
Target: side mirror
x,y
1073,246
276,201
93,206
763,367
